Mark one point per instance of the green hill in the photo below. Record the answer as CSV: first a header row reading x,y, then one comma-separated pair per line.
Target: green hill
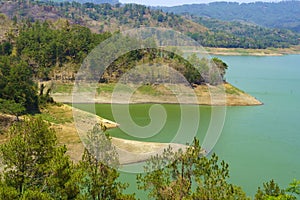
x,y
106,17
99,17
113,2
239,34
283,15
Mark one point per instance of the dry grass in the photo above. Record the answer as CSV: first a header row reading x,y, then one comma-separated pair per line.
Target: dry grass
x,y
129,151
254,52
67,135
225,94
61,119
5,122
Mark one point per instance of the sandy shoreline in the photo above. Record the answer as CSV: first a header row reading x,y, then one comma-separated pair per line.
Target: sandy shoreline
x,y
129,151
253,52
205,95
135,151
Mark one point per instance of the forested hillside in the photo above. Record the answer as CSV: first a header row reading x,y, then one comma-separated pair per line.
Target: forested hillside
x,y
99,18
238,34
106,17
92,1
284,14
39,51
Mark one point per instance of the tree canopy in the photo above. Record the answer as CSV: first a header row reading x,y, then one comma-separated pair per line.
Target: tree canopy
x,y
18,90
36,167
272,191
282,14
188,175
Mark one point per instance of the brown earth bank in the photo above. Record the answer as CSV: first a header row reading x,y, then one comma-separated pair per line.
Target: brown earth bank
x,y
221,95
253,52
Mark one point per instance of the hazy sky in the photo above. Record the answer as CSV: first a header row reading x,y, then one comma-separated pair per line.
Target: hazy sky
x,y
181,2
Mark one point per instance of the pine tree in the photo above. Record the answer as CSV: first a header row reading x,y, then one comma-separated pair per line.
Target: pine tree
x,y
33,162
187,175
95,175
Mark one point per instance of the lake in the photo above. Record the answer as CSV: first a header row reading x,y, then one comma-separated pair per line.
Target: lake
x,y
259,142
263,142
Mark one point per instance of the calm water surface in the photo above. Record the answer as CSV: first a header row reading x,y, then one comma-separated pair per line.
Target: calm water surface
x,y
258,142
263,142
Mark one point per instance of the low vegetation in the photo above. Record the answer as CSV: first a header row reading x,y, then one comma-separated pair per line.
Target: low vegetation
x,y
36,167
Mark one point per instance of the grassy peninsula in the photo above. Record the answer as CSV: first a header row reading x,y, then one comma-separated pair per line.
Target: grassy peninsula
x,y
226,94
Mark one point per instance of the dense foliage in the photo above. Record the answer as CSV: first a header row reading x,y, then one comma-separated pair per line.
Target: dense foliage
x,y
31,161
55,50
242,35
188,175
195,70
282,14
45,47
40,51
36,167
17,88
271,190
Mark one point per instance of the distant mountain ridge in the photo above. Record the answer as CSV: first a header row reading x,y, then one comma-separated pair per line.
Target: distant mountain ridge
x,y
110,18
284,14
112,2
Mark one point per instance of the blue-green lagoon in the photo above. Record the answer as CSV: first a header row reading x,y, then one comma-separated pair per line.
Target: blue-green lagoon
x,y
259,142
263,142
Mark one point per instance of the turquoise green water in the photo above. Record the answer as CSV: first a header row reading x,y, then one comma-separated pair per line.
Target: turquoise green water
x,y
263,142
140,116
259,142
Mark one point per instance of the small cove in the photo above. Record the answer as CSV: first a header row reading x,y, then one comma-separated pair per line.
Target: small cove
x,y
258,142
